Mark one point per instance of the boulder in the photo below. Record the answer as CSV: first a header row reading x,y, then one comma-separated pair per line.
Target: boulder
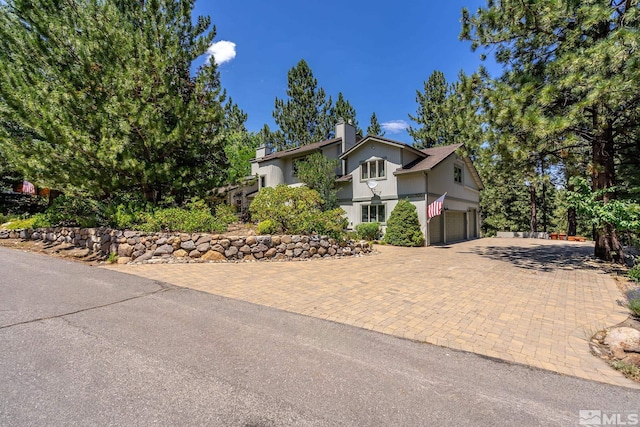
x,y
623,339
251,240
205,238
145,256
231,252
188,245
213,256
270,253
125,250
218,248
259,248
286,239
203,247
123,260
163,250
264,240
180,253
245,249
137,254
195,254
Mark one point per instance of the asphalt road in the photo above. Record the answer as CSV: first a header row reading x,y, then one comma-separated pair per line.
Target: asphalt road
x,y
85,346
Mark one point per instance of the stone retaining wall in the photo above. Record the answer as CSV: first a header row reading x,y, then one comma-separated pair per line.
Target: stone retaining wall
x,y
135,246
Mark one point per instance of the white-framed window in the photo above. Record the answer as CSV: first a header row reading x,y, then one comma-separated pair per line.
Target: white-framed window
x,y
457,174
372,169
373,213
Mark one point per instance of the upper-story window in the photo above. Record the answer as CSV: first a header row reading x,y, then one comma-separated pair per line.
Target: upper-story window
x,y
372,169
457,174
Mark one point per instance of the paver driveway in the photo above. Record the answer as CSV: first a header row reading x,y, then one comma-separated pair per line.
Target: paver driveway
x,y
533,302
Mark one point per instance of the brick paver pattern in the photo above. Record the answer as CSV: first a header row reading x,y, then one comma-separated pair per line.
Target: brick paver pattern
x,y
533,302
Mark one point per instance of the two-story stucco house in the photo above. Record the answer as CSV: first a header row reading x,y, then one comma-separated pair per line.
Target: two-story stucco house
x,y
376,172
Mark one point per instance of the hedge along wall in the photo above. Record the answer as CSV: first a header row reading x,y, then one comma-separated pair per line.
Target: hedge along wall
x,y
135,246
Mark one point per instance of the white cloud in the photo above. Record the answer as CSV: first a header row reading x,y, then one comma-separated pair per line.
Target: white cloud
x,y
222,51
395,126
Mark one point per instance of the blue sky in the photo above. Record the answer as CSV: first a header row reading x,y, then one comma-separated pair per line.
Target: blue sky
x,y
377,53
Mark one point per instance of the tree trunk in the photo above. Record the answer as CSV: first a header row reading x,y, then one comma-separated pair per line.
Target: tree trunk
x,y
572,222
534,221
608,246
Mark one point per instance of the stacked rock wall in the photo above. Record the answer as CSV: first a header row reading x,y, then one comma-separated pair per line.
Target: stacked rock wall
x,y
155,247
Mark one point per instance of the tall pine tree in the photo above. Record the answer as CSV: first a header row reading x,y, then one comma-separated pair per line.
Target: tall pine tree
x,y
374,127
305,116
345,111
575,62
99,97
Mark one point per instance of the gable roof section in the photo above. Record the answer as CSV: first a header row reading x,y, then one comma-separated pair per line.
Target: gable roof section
x,y
435,156
299,150
387,141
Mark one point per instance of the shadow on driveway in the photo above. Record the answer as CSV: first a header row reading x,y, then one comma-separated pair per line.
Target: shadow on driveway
x,y
541,257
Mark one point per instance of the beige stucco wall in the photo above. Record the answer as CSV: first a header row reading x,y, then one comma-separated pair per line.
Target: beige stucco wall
x,y
374,150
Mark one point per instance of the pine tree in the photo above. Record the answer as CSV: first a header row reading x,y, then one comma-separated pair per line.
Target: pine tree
x,y
111,106
432,115
571,67
343,110
319,173
305,117
240,144
449,113
374,127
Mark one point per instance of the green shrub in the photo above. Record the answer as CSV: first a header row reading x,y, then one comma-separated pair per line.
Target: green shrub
x,y
71,211
368,230
331,223
629,370
267,227
634,273
296,210
36,221
185,220
125,212
634,306
403,227
226,214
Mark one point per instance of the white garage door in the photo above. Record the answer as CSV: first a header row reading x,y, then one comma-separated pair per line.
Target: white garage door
x,y
456,226
473,224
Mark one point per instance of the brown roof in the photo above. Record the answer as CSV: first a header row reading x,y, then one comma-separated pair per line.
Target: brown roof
x,y
299,150
434,156
344,178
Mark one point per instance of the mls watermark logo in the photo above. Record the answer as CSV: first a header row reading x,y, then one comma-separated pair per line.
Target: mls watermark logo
x,y
590,417
597,417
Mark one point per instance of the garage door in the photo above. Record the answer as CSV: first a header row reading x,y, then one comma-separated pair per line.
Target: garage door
x,y
435,230
473,224
456,226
